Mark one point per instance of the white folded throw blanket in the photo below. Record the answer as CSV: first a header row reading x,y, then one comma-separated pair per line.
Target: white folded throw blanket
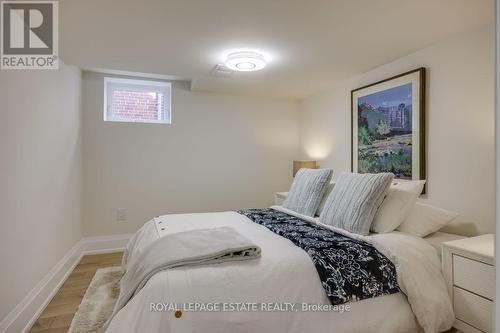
x,y
187,248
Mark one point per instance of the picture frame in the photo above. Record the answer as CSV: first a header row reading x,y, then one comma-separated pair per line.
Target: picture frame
x,y
388,126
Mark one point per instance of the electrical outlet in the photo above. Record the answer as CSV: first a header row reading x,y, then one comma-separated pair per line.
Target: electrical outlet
x,y
121,215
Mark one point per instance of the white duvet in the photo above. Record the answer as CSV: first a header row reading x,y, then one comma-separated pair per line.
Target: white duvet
x,y
284,279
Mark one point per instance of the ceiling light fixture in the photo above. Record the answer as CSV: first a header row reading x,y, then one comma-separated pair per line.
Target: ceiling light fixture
x,y
245,61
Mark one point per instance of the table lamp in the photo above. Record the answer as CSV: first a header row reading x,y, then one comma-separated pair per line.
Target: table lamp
x,y
307,164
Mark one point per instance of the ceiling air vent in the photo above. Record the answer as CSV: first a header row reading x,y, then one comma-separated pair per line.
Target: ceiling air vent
x,y
221,71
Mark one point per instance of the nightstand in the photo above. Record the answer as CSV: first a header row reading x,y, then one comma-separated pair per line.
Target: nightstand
x,y
279,197
469,271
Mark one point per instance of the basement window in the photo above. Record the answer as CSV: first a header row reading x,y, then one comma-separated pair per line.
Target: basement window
x,y
137,101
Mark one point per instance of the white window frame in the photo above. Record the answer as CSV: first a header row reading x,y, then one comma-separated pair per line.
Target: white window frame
x,y
111,84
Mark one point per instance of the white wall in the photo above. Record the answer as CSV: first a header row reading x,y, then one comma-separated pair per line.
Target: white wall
x,y
496,315
40,176
221,152
460,125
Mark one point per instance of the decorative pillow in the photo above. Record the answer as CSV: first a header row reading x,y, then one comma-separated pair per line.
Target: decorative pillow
x,y
355,200
397,205
307,190
329,189
425,219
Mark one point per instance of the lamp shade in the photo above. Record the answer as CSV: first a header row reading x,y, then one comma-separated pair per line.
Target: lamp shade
x,y
306,164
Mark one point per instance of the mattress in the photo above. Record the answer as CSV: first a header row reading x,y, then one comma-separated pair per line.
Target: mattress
x,y
283,275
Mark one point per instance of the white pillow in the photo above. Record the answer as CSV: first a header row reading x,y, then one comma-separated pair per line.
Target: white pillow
x,y
307,190
397,205
426,219
354,201
328,190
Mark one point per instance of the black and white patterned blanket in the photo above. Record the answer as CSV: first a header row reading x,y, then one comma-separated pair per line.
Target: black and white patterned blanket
x,y
349,269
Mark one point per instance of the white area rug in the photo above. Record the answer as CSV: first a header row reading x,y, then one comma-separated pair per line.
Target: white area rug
x,y
98,302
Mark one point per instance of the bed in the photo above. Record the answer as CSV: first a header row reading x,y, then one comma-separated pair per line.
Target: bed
x,y
285,279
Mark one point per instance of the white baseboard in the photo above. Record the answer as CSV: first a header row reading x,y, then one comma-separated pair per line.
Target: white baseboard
x,y
104,244
24,315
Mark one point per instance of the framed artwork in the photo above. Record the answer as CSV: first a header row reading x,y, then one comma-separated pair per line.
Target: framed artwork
x,y
388,126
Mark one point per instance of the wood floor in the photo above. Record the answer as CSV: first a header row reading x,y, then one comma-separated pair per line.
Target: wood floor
x,y
57,316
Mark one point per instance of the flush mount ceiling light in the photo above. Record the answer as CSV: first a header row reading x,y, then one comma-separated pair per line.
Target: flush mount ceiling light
x,y
245,61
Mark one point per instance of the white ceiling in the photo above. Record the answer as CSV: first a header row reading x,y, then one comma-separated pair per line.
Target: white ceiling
x,y
311,44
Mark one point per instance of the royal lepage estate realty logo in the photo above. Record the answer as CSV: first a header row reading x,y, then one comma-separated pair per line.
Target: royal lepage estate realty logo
x,y
29,32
